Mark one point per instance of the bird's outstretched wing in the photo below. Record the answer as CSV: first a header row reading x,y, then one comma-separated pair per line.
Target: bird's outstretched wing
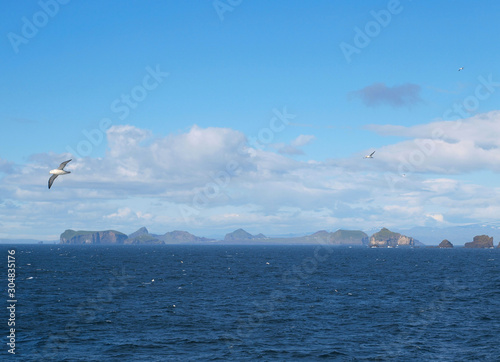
x,y
51,179
371,154
62,165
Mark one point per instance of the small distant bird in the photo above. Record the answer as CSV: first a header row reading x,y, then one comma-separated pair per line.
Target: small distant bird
x,y
459,69
370,155
58,171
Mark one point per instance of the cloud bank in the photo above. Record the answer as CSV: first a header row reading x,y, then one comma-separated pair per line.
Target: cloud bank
x,y
210,181
447,147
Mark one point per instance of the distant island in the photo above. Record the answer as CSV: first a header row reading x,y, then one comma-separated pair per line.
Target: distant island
x,y
141,236
381,239
239,236
445,244
384,238
481,241
389,239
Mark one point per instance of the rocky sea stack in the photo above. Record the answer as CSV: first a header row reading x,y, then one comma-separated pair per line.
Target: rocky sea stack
x,y
480,241
445,244
387,238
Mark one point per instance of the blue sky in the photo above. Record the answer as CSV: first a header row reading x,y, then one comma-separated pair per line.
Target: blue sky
x,y
171,114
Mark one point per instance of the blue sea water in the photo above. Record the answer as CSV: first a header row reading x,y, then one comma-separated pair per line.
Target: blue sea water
x,y
270,303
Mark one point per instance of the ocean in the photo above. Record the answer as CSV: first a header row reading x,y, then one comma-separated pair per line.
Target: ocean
x,y
247,303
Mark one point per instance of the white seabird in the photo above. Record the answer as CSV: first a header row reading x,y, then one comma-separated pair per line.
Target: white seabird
x,y
459,69
58,171
370,155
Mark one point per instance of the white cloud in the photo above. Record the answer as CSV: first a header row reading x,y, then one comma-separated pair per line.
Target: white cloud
x,y
437,217
126,214
302,140
294,147
146,180
448,147
120,214
5,166
123,140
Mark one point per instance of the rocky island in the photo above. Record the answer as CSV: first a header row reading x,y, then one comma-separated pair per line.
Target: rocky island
x,y
387,238
445,244
480,241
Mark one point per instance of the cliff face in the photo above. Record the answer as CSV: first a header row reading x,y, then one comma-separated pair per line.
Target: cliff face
x,y
92,237
445,244
480,241
387,238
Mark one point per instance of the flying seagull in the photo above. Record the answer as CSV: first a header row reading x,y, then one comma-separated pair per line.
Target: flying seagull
x,y
58,171
370,155
459,69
